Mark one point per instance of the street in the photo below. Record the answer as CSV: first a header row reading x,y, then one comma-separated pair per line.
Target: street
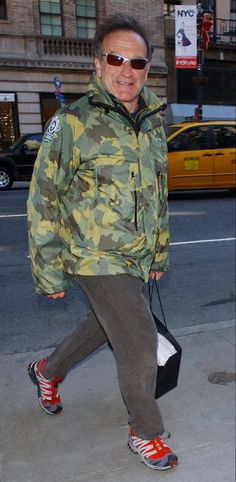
x,y
91,432
198,289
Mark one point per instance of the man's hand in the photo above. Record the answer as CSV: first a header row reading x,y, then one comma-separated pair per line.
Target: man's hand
x,y
55,296
155,275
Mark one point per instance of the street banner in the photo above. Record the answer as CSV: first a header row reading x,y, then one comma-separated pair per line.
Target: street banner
x,y
59,96
186,36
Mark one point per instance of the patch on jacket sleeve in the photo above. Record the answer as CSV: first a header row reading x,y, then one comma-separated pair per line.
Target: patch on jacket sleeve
x,y
53,128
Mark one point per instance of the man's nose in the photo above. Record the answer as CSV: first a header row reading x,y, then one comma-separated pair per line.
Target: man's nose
x,y
126,68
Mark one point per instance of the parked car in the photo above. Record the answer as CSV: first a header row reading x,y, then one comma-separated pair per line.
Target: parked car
x,y
17,161
201,155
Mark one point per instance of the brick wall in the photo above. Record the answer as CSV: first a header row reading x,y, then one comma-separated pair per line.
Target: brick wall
x,y
69,18
150,12
21,18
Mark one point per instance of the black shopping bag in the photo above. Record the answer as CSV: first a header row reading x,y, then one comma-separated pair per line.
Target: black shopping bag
x,y
167,375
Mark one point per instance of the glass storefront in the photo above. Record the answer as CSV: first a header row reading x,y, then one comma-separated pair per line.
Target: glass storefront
x,y
49,104
9,128
9,124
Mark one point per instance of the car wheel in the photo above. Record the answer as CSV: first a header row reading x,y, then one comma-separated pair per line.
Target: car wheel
x,y
6,179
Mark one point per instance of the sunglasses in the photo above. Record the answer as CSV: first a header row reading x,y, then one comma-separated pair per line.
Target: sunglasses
x,y
117,60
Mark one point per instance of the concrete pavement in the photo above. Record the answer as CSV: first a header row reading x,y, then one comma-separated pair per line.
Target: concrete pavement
x,y
87,441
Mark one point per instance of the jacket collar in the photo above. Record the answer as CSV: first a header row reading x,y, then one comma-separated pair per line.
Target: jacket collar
x,y
149,103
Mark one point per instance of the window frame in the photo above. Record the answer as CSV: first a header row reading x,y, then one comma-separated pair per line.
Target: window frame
x,y
51,16
188,133
222,128
3,8
86,19
232,6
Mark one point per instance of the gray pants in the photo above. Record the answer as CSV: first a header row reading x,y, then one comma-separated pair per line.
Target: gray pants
x,y
121,314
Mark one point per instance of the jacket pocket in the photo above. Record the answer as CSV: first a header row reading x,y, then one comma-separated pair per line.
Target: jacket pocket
x,y
114,195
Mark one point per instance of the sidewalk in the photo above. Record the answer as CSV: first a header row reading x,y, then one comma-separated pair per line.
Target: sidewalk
x,y
87,442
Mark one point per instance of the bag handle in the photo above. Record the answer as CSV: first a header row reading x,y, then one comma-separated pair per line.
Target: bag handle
x,y
150,293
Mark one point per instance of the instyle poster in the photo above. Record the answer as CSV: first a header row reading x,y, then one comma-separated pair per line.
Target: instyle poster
x,y
186,37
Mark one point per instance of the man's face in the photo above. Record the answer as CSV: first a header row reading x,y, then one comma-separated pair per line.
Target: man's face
x,y
124,82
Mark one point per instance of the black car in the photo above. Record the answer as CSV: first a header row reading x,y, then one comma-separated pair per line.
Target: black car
x,y
17,162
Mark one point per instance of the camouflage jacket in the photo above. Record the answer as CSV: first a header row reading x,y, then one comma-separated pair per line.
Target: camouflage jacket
x,y
98,196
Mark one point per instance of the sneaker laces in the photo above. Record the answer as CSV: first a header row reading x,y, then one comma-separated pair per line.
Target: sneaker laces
x,y
150,448
48,387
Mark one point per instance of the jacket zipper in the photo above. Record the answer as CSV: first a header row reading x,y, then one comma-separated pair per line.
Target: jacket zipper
x,y
159,185
161,108
108,107
135,203
160,191
118,110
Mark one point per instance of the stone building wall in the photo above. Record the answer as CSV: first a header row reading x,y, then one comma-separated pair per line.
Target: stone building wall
x,y
29,62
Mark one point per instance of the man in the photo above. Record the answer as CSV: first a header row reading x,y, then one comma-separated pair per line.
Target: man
x,y
97,214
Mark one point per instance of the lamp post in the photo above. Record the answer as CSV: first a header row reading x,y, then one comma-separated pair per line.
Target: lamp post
x,y
204,24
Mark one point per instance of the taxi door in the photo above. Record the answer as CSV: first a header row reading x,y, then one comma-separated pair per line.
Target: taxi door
x,y
191,159
224,156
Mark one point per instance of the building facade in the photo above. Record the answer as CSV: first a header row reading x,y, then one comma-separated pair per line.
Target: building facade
x,y
44,39
219,66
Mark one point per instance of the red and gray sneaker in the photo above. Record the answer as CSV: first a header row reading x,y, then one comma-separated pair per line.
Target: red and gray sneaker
x,y
49,400
154,453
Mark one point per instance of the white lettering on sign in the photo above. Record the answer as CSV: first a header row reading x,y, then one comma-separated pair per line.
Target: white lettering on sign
x,y
186,62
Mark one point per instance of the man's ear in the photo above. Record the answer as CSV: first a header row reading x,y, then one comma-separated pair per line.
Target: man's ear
x,y
98,67
147,70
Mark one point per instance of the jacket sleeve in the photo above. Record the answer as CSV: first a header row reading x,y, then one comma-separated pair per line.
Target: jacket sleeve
x,y
161,260
52,175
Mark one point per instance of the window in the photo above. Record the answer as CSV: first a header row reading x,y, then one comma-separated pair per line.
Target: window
x,y
49,104
50,17
195,138
224,136
33,141
86,18
3,9
9,126
233,6
169,7
232,14
208,5
218,75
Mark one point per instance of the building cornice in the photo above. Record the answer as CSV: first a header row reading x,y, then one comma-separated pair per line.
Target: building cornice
x,y
46,64
63,65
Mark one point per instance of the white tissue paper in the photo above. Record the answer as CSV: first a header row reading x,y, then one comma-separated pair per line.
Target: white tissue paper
x,y
165,350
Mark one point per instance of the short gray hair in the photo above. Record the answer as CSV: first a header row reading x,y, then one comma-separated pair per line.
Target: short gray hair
x,y
121,21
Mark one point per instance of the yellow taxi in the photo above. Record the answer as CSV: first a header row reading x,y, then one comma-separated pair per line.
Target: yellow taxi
x,y
201,155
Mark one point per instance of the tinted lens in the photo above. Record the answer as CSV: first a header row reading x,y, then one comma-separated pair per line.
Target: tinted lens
x,y
138,64
114,60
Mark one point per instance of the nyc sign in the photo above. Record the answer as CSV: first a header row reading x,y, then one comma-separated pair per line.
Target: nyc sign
x,y
186,37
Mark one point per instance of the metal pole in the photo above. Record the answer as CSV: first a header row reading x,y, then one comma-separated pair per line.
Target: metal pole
x,y
200,82
200,60
204,17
